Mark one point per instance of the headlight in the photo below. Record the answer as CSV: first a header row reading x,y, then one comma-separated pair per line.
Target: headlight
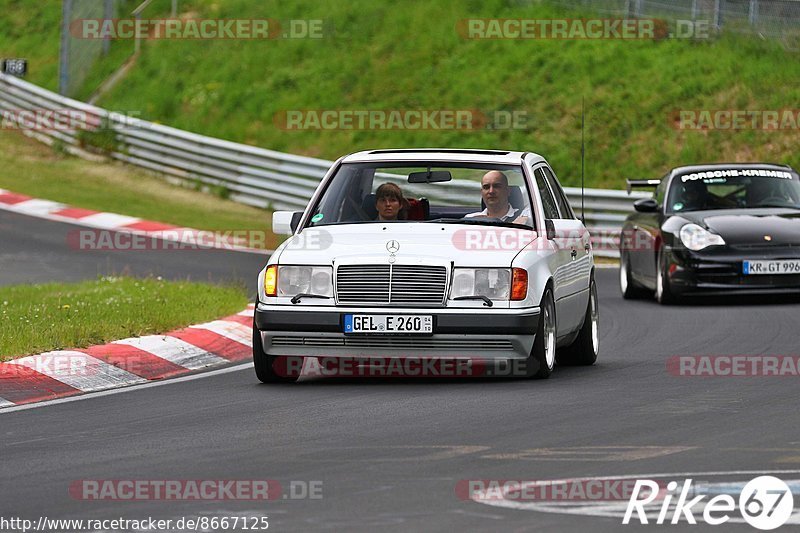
x,y
293,280
494,283
696,238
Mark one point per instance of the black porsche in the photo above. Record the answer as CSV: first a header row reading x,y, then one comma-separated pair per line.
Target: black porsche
x,y
713,229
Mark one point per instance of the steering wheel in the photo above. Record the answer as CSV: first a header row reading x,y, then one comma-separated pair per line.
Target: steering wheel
x,y
489,219
771,199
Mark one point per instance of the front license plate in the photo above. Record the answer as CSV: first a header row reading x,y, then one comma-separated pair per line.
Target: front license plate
x,y
389,324
751,268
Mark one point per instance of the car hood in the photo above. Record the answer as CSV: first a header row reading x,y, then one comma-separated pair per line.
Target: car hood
x,y
782,226
413,243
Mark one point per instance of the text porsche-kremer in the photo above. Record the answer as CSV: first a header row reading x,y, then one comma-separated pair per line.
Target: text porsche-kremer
x,y
714,228
431,254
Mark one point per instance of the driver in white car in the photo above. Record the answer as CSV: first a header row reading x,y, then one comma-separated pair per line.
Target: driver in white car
x,y
495,193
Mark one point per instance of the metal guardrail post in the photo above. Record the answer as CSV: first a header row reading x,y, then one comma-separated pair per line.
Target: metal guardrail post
x,y
137,14
752,15
63,59
108,13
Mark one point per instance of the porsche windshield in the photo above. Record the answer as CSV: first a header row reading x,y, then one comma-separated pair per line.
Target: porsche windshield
x,y
734,189
458,193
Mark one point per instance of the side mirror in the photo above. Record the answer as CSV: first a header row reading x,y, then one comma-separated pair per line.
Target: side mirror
x,y
286,222
550,228
646,205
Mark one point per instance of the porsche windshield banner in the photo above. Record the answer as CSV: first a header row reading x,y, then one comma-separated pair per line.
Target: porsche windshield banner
x,y
733,173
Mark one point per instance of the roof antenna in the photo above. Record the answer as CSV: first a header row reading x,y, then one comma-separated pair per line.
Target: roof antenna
x,y
583,150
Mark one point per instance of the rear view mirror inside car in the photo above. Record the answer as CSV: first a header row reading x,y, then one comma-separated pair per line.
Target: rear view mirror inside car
x,y
434,176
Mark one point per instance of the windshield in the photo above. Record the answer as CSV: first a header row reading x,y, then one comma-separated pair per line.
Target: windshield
x,y
449,193
734,189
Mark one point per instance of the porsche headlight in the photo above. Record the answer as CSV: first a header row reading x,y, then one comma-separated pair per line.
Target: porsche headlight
x,y
294,280
494,283
697,238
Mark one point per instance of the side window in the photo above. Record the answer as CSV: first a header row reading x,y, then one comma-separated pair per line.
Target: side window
x,y
558,193
661,191
548,202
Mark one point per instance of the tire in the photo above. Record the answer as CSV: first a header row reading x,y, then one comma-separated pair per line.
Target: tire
x,y
543,354
630,289
263,363
584,349
664,293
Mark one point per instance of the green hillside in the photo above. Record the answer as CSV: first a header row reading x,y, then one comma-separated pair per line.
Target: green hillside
x,y
396,56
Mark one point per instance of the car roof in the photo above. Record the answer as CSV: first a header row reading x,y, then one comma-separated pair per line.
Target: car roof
x,y
688,169
469,155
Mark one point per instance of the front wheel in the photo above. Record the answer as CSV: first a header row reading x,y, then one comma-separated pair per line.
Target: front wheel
x,y
543,355
584,349
629,288
664,293
264,364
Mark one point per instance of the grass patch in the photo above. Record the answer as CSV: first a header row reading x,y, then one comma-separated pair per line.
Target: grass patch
x,y
31,168
57,316
384,58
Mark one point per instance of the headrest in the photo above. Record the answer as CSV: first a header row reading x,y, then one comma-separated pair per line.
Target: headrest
x,y
514,197
368,206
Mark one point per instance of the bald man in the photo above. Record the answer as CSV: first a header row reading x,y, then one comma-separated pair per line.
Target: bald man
x,y
494,190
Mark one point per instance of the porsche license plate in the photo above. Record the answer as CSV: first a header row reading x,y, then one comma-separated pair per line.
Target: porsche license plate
x,y
784,266
389,324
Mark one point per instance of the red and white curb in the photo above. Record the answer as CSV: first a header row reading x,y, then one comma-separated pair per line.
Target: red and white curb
x,y
47,209
62,373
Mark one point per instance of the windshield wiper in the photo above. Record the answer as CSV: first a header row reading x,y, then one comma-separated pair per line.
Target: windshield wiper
x,y
784,206
478,221
486,301
297,297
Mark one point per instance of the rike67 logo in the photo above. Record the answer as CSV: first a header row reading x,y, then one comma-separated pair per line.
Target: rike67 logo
x,y
765,503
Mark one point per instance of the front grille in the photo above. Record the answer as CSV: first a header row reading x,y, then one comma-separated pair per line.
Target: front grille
x,y
391,285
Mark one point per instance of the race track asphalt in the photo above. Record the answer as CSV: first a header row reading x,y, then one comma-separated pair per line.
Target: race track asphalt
x,y
390,453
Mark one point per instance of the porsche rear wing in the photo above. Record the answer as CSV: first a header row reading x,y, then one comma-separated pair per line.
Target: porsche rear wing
x,y
642,184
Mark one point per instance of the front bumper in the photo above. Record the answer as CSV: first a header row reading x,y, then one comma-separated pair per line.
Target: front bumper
x,y
721,271
311,331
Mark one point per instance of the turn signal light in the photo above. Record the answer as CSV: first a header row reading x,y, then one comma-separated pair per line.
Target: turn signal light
x,y
271,281
519,284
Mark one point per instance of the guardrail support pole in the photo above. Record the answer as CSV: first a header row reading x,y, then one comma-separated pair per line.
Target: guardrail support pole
x,y
63,56
108,13
753,14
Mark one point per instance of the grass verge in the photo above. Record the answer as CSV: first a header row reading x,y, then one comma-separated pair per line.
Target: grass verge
x,y
57,316
29,167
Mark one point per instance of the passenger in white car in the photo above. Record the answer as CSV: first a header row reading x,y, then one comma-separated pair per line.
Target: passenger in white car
x,y
390,202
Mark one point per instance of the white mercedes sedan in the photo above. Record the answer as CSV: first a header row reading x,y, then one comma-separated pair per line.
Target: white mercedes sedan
x,y
434,254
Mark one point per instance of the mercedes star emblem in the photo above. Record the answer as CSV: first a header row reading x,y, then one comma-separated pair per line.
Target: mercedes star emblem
x,y
392,246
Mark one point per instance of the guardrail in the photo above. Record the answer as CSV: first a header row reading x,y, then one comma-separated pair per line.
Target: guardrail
x,y
251,175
